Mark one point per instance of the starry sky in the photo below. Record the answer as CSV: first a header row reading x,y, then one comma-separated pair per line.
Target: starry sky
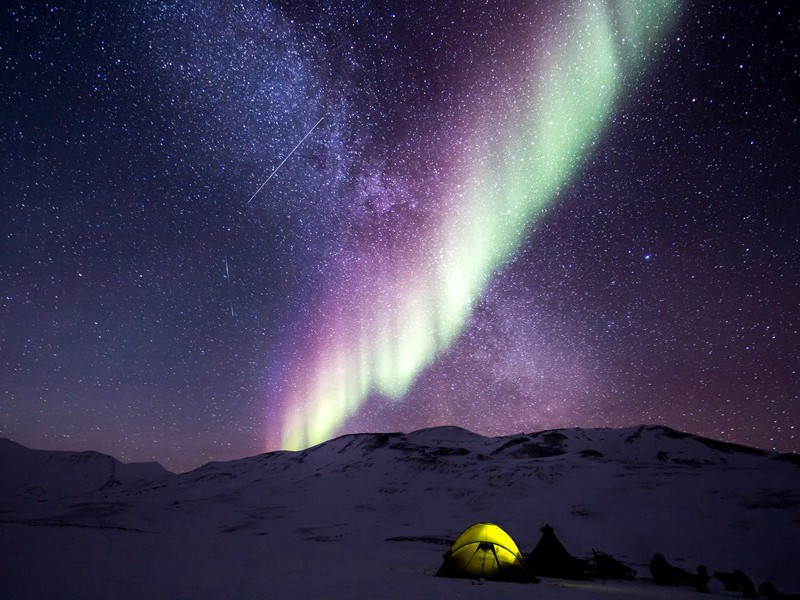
x,y
510,217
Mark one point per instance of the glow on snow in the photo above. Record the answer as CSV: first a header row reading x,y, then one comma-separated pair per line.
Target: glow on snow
x,y
395,312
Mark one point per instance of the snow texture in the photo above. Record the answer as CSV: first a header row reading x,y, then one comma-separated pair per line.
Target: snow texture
x,y
370,515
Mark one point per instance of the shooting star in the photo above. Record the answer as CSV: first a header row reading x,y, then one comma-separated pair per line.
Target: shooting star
x,y
271,175
228,279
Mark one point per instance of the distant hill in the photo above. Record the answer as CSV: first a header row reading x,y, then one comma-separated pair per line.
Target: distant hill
x,y
45,474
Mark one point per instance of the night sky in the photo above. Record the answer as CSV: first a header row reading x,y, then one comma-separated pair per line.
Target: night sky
x,y
513,216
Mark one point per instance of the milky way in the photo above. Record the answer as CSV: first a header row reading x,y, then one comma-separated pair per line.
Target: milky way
x,y
412,299
509,218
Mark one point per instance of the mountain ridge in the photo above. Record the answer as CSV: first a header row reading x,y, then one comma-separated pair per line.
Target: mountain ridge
x,y
432,434
395,498
39,474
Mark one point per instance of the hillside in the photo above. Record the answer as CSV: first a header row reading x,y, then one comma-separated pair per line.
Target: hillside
x,y
28,475
373,514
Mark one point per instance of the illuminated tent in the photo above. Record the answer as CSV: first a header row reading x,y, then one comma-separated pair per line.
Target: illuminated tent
x,y
485,551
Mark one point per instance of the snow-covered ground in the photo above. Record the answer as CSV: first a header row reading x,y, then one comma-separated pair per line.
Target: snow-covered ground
x,y
370,515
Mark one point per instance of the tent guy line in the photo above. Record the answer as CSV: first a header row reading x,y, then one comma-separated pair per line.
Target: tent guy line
x,y
271,175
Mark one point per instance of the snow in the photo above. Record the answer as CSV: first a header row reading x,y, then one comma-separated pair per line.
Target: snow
x,y
51,474
371,515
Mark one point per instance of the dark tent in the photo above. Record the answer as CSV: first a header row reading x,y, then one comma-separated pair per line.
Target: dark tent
x,y
551,559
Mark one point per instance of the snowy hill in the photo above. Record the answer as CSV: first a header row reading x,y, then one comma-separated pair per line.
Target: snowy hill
x,y
28,474
373,514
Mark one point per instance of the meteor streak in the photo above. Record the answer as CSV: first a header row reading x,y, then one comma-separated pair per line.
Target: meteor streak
x,y
228,279
271,175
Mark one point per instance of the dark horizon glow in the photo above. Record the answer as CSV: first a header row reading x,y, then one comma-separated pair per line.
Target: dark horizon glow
x,y
508,219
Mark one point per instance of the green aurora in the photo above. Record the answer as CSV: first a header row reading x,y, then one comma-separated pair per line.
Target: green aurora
x,y
513,167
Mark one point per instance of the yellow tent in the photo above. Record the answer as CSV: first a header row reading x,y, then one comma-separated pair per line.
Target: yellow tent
x,y
485,551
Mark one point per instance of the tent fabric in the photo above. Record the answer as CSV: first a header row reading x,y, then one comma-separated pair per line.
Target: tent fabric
x,y
485,551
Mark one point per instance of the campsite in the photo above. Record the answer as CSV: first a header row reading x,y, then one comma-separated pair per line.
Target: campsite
x,y
374,514
400,300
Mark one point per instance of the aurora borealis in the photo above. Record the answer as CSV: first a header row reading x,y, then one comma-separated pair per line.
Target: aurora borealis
x,y
506,218
417,299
